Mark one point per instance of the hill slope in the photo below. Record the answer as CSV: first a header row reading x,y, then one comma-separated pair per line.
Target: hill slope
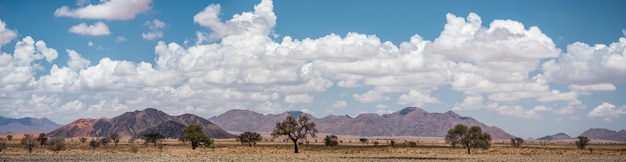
x,y
26,125
131,124
558,136
605,134
406,122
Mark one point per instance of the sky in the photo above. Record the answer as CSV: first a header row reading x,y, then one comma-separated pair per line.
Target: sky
x,y
532,68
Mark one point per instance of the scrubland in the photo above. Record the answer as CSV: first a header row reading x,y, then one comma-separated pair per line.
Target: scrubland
x,y
230,150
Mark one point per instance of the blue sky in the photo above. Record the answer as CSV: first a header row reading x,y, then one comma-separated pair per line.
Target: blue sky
x,y
532,68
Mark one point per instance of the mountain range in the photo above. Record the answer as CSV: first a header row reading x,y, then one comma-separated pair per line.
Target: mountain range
x,y
605,134
558,136
410,121
26,125
133,124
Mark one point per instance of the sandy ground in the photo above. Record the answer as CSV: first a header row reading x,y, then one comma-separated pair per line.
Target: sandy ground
x,y
283,151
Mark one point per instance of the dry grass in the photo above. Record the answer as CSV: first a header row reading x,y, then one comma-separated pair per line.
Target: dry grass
x,y
229,150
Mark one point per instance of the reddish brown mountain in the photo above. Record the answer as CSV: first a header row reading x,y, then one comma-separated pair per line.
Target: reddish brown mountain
x,y
406,122
131,124
605,134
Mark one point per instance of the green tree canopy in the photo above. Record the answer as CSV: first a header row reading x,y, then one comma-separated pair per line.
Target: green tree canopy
x,y
250,138
195,135
295,130
468,138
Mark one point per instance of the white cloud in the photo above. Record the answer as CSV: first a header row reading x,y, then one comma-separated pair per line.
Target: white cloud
x,y
155,26
97,29
6,35
152,35
584,64
340,104
120,39
370,96
299,98
416,98
473,102
107,10
261,21
515,111
624,32
587,89
89,43
607,111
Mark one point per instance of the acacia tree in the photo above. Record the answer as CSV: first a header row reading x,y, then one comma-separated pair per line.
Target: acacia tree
x,y
295,130
29,142
330,140
152,138
10,137
195,135
468,138
42,139
517,142
250,138
94,143
582,142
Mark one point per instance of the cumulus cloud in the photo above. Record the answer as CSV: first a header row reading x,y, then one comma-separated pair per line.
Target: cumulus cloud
x,y
155,26
6,35
299,98
370,96
107,10
97,29
416,98
261,21
495,67
584,64
607,111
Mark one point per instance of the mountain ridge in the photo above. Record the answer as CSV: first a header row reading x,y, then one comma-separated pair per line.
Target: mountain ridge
x,y
26,125
410,121
131,124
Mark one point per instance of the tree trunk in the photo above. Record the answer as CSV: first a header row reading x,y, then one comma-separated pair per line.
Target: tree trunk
x,y
249,144
295,145
468,150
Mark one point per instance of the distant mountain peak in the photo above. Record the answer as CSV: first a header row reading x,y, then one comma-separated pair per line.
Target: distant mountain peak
x,y
605,134
26,125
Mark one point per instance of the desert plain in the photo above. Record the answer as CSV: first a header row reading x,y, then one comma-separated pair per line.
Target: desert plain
x,y
347,150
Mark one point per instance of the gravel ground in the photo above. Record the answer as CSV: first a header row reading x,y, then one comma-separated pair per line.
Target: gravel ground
x,y
208,156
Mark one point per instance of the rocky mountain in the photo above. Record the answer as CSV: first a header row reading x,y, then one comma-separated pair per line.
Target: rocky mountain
x,y
558,136
131,124
169,129
410,121
605,134
26,125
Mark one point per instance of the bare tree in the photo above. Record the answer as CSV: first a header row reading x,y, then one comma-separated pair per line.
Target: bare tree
x,y
295,130
115,138
250,138
29,142
469,138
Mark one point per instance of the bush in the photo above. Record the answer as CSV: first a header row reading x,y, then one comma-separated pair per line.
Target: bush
x,y
582,142
56,144
82,139
3,144
330,140
93,144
